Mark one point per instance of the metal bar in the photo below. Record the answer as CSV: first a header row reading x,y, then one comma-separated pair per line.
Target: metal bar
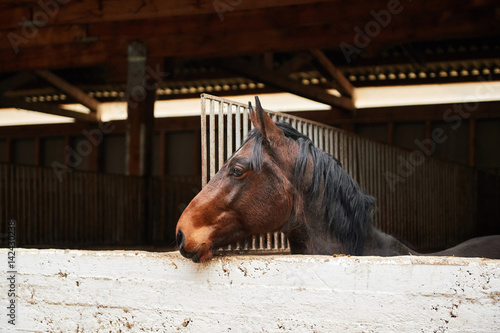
x,y
204,165
411,210
212,140
229,120
221,136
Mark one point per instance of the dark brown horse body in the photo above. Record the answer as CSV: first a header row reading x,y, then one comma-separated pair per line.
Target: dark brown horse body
x,y
278,180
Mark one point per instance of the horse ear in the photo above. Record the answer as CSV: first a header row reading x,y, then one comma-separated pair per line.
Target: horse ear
x,y
261,120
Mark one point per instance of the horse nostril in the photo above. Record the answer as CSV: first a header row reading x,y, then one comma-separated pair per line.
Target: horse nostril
x,y
180,239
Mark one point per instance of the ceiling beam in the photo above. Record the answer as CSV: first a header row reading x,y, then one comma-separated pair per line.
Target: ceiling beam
x,y
450,113
15,81
88,11
342,16
80,96
284,83
294,64
346,88
76,128
247,29
49,109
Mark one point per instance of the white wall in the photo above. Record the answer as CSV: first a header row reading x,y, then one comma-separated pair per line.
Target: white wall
x,y
129,291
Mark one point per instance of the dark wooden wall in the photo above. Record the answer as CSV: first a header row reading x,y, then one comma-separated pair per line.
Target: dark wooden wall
x,y
176,147
176,169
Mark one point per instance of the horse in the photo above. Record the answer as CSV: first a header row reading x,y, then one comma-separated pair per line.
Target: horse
x,y
279,181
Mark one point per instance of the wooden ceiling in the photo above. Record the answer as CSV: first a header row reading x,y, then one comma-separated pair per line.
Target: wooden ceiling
x,y
50,34
281,43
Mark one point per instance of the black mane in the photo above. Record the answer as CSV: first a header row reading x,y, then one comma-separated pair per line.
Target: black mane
x,y
346,209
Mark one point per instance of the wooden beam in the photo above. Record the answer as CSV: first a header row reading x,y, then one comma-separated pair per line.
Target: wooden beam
x,y
47,36
141,95
15,81
71,12
91,103
346,88
282,82
294,64
279,28
412,113
75,54
76,128
48,108
93,11
268,60
48,130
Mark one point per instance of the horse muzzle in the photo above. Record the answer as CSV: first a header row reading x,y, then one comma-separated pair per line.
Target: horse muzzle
x,y
203,253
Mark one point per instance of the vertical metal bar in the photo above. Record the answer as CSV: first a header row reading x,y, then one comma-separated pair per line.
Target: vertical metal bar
x,y
327,140
204,165
229,119
319,137
237,127
212,140
221,137
245,122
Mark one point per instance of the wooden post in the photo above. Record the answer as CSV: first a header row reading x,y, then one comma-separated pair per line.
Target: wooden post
x,y
9,152
93,159
472,142
162,155
67,157
390,133
38,151
428,130
141,95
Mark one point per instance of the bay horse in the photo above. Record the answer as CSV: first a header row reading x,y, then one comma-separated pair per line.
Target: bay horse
x,y
278,180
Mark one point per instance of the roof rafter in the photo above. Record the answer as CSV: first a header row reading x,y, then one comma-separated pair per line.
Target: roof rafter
x,y
346,87
48,108
15,81
91,103
282,82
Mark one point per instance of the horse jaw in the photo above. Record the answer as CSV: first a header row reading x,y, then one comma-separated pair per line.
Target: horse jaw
x,y
207,224
193,236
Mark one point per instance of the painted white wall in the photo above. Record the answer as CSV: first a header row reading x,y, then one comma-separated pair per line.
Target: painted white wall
x,y
130,291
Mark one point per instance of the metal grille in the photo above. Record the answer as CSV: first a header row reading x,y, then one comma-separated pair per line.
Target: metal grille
x,y
432,204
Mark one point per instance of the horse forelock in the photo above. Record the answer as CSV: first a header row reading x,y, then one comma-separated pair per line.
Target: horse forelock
x,y
346,209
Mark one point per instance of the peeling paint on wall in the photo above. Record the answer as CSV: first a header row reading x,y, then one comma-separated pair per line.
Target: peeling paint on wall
x,y
131,291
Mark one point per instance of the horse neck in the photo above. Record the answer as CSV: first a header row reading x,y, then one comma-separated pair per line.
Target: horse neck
x,y
378,243
307,237
310,235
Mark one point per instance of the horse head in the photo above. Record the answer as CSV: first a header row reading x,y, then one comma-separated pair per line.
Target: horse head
x,y
252,193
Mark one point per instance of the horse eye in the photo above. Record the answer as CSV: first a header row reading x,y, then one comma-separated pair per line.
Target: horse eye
x,y
237,171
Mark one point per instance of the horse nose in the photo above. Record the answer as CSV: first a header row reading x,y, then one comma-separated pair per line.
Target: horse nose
x,y
180,239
